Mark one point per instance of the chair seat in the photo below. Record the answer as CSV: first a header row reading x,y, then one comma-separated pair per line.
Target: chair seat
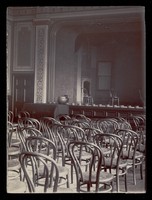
x,y
104,177
15,142
13,151
15,124
122,163
141,148
12,174
62,170
105,150
13,164
84,155
115,98
43,151
129,155
16,186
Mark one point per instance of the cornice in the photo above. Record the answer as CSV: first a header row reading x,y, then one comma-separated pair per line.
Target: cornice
x,y
100,18
72,11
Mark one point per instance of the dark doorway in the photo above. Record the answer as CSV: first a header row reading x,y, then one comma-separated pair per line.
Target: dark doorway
x,y
23,91
86,86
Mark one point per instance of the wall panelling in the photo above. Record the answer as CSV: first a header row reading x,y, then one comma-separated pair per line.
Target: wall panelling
x,y
23,47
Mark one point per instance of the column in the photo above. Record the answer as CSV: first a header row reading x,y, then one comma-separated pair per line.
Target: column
x,y
41,64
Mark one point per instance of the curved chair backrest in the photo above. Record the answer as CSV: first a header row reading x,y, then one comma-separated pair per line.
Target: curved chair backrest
x,y
9,133
139,122
112,142
90,134
10,116
29,122
63,135
30,162
51,120
81,117
76,150
102,125
112,125
41,145
130,141
43,127
70,132
124,124
81,124
65,119
23,114
48,128
25,133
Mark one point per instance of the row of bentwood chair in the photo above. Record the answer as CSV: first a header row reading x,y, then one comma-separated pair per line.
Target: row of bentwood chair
x,y
78,145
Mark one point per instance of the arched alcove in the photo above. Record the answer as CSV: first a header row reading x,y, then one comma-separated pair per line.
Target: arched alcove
x,y
86,91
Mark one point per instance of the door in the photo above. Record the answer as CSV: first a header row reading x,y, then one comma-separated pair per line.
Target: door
x,y
23,91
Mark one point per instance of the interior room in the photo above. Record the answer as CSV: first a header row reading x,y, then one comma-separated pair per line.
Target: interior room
x,y
78,61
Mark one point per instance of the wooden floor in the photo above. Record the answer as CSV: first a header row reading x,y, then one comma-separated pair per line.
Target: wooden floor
x,y
140,187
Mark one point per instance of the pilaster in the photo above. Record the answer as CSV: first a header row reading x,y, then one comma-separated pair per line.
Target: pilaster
x,y
41,62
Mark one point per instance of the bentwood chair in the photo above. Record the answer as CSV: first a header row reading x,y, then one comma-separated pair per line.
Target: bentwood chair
x,y
50,120
64,134
139,122
100,124
10,116
30,162
112,161
13,151
64,119
29,122
47,147
112,125
14,182
46,125
140,128
114,99
130,143
11,120
12,139
81,124
26,132
81,117
90,134
23,114
93,179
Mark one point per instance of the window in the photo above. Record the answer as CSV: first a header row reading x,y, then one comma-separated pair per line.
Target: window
x,y
104,75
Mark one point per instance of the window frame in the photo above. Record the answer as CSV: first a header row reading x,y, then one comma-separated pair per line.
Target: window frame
x,y
104,74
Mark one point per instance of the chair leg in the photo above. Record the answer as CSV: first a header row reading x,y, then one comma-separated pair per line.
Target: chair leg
x,y
112,186
117,183
67,177
71,173
88,187
126,189
134,175
118,102
141,170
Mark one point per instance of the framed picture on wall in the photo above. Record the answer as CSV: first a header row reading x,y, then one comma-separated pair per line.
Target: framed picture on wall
x,y
104,75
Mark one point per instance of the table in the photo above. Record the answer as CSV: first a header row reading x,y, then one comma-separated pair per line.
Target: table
x,y
38,110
